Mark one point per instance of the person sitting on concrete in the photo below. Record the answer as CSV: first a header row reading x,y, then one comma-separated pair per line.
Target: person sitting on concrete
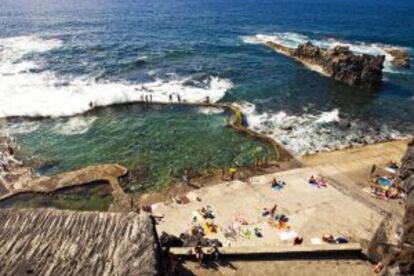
x,y
328,238
297,240
258,232
278,184
312,180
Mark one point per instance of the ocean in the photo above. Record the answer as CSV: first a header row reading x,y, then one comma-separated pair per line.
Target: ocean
x,y
60,59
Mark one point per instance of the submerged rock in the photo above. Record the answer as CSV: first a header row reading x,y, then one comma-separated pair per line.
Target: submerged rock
x,y
400,57
339,63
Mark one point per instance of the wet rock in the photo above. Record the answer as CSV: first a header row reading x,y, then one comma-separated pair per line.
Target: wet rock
x,y
339,63
400,57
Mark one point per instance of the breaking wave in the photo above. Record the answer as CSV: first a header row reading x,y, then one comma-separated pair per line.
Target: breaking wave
x,y
292,40
310,133
24,92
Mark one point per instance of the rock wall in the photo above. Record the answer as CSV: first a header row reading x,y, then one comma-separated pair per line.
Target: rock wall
x,y
402,263
339,63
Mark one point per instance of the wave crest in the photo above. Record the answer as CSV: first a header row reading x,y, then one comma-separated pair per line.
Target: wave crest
x,y
310,133
24,92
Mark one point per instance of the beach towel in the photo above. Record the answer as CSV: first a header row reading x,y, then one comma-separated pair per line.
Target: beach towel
x,y
246,234
316,241
277,188
288,235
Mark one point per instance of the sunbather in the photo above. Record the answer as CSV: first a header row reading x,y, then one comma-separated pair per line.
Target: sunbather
x,y
265,212
312,180
278,183
328,238
298,240
258,233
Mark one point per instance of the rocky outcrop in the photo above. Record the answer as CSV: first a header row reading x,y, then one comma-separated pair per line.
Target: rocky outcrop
x,y
400,58
402,263
338,63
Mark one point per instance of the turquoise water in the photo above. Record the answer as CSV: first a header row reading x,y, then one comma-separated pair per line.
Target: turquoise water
x,y
156,143
91,197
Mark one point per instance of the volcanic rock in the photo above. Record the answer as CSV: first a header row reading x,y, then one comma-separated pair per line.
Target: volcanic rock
x,y
339,63
400,57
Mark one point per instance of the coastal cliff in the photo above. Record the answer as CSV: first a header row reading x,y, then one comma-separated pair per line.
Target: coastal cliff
x,y
402,263
339,63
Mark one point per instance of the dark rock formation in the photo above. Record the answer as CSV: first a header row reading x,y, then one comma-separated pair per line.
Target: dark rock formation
x,y
400,57
402,263
339,63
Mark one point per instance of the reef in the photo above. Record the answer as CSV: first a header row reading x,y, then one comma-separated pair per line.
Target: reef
x,y
339,63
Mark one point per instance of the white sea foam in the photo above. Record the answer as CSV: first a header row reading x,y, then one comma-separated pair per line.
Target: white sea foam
x,y
292,40
41,94
210,110
18,128
309,133
74,125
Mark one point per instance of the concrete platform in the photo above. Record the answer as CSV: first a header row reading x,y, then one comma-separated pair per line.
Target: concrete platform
x,y
311,211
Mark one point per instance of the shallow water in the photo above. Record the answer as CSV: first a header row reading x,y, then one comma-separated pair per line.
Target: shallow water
x,y
91,197
156,143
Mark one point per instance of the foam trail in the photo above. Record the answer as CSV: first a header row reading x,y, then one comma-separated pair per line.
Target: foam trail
x,y
24,93
210,110
310,133
18,128
74,125
292,40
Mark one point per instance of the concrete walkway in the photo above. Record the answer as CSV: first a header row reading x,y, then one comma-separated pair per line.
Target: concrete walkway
x,y
311,211
341,209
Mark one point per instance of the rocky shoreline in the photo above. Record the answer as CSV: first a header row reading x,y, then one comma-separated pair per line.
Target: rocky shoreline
x,y
339,63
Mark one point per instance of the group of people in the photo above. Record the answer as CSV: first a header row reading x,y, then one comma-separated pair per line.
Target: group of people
x,y
388,186
171,97
147,98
